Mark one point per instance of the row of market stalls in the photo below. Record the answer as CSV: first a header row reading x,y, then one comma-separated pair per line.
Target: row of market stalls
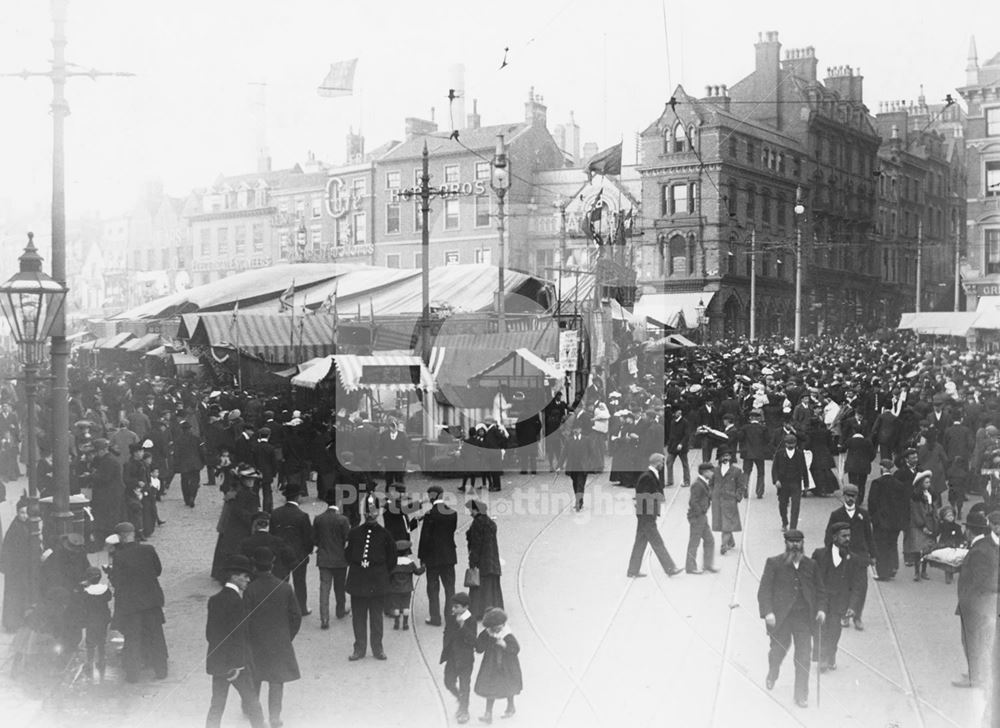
x,y
149,353
979,328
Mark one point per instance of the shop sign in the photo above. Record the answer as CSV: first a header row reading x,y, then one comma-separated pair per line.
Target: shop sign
x,y
349,251
569,344
451,190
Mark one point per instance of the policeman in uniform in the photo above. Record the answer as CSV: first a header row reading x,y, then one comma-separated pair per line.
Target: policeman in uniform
x,y
792,600
371,556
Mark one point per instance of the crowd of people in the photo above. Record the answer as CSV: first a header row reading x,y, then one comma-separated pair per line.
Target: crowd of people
x,y
926,416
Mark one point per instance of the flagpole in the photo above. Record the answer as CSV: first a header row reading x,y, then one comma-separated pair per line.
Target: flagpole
x,y
291,343
239,358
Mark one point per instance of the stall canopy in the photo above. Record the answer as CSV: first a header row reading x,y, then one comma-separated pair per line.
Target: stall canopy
x,y
520,363
275,338
141,344
672,310
939,323
359,288
394,372
115,341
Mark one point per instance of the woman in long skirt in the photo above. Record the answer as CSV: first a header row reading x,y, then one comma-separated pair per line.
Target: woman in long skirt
x,y
15,563
484,554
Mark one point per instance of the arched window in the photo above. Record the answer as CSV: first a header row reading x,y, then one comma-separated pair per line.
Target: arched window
x,y
677,256
691,254
680,141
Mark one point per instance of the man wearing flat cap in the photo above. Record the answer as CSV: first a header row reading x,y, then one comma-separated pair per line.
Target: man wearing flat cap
x,y
229,660
862,542
792,602
789,474
977,596
138,604
371,556
845,580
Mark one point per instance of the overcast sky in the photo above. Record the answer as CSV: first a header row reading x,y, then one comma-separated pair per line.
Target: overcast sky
x,y
187,114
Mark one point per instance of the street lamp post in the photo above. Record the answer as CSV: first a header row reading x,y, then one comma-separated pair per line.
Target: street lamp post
x,y
500,182
31,301
799,211
702,319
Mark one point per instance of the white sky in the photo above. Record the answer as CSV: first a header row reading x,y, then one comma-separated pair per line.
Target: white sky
x,y
185,117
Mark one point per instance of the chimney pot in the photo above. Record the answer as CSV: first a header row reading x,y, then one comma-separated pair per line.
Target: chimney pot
x,y
708,91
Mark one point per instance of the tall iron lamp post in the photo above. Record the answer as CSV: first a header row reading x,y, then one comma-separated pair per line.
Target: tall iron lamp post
x,y
31,300
702,320
500,182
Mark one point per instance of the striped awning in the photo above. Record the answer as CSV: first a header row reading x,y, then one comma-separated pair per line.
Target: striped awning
x,y
312,372
352,369
149,341
275,338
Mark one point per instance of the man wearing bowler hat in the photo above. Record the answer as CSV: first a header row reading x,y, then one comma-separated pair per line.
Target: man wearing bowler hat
x,y
977,596
229,660
371,556
792,602
789,475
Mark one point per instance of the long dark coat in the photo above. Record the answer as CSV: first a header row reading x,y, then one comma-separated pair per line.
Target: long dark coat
x,y
233,527
226,632
108,494
922,515
273,621
727,492
484,553
15,563
500,670
187,453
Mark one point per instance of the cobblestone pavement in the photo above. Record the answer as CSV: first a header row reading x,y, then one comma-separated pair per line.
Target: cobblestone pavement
x,y
597,648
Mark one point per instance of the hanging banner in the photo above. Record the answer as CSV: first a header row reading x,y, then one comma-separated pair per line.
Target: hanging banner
x,y
569,346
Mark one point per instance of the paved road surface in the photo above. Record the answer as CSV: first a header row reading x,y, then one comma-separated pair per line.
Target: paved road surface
x,y
598,648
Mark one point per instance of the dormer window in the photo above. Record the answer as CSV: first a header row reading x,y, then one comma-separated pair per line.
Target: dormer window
x,y
680,140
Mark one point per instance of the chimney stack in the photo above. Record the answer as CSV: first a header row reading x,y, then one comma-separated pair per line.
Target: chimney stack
x,y
474,121
535,111
768,81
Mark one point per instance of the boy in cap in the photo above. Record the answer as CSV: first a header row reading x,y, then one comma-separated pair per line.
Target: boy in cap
x,y
93,606
401,584
458,652
792,602
229,660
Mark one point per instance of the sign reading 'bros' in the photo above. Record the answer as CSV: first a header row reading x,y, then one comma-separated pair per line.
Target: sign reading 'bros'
x,y
456,188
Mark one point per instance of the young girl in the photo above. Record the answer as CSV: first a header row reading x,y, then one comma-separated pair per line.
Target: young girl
x,y
93,608
500,671
401,584
919,538
950,548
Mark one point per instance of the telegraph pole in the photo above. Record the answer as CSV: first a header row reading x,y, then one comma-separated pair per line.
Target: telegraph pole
x,y
958,262
59,72
799,211
753,284
920,246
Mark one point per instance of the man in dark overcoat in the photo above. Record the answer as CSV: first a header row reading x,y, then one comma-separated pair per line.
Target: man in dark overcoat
x,y
494,441
648,495
437,552
229,660
678,443
138,605
292,525
273,620
862,541
261,536
330,531
579,461
394,446
886,431
845,581
699,530
789,475
977,597
858,463
108,490
889,508
792,602
188,462
755,448
265,459
371,556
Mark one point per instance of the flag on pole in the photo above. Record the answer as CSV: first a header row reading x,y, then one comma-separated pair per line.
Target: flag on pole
x,y
286,299
330,304
606,162
339,80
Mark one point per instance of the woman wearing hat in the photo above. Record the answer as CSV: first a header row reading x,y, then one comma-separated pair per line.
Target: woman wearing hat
x,y
500,670
16,559
919,537
484,555
235,522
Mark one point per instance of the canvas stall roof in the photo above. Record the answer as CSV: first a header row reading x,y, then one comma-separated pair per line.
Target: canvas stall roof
x,y
988,303
467,398
465,288
351,369
454,366
249,287
268,336
987,320
312,372
181,359
543,341
161,351
353,290
575,290
143,343
672,309
938,323
79,336
521,363
113,342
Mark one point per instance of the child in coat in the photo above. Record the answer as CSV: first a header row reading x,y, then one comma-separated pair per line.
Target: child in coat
x,y
93,601
458,653
500,671
401,584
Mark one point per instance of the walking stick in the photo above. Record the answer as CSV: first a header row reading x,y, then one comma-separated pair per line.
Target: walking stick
x,y
819,662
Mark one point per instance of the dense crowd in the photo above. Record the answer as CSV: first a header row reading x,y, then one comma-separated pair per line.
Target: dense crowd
x,y
928,417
